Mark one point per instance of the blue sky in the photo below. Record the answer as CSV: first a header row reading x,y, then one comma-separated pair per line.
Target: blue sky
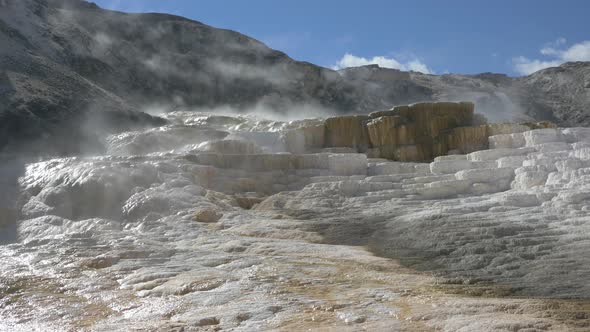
x,y
460,36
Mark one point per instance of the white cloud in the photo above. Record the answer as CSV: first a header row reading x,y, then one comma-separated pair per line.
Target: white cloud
x,y
349,60
556,55
578,52
527,66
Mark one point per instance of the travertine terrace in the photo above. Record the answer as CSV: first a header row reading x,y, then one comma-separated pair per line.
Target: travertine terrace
x,y
359,222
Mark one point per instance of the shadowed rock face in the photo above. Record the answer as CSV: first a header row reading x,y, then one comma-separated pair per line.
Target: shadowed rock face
x,y
46,105
65,61
418,132
71,71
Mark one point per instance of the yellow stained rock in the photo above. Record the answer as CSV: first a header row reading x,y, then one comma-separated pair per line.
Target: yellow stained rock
x,y
208,215
347,131
418,132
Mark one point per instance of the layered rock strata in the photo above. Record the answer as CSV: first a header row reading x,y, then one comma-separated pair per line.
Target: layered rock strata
x,y
418,132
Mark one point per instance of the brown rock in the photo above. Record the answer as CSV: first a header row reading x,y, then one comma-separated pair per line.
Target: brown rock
x,y
540,125
348,131
419,132
431,118
248,202
462,140
208,215
416,132
390,130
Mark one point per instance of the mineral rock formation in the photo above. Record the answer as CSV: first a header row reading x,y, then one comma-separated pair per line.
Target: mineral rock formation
x,y
307,237
418,132
347,131
208,216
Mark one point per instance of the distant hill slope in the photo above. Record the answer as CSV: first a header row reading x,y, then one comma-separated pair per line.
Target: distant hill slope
x,y
70,68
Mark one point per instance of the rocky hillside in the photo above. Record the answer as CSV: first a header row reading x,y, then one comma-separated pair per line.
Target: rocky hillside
x,y
560,94
71,71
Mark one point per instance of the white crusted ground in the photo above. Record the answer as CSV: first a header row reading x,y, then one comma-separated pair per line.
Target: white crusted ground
x,y
491,241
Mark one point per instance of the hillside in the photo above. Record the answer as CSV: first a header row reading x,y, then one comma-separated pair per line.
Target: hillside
x,y
71,71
